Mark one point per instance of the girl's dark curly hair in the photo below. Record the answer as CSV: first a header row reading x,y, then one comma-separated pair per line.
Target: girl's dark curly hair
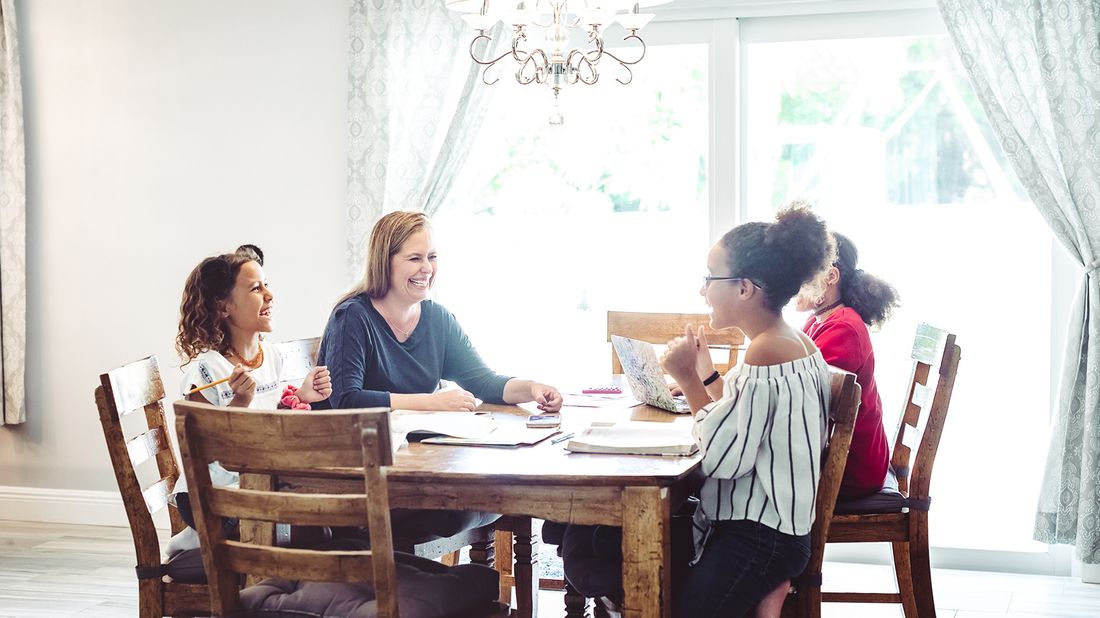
x,y
779,257
872,298
201,326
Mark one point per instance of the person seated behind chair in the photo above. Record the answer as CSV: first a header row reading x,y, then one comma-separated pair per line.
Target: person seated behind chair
x,y
226,307
760,442
389,345
845,301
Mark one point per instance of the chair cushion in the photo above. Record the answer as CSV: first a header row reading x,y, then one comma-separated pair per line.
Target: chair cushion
x,y
887,500
426,589
186,567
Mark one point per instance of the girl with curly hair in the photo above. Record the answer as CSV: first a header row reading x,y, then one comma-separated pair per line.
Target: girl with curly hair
x,y
226,307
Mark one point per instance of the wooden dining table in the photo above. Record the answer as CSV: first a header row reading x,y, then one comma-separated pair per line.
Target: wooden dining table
x,y
544,481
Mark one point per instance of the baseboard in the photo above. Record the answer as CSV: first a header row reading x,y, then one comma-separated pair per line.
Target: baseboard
x,y
67,506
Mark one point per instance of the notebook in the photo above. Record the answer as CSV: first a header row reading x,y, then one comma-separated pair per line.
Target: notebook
x,y
643,373
635,438
463,429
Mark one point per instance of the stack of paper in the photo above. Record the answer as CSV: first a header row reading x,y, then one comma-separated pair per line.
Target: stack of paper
x,y
635,438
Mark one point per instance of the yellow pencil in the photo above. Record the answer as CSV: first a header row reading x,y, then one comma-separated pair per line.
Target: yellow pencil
x,y
202,388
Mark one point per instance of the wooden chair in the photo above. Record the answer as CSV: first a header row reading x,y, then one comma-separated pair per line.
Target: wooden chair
x,y
804,598
284,441
490,545
126,391
660,328
901,518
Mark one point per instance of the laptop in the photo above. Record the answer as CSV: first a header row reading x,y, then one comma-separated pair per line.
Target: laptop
x,y
643,373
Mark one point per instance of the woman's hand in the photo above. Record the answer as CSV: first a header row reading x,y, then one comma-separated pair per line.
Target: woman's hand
x,y
242,385
317,386
704,364
548,397
681,357
452,399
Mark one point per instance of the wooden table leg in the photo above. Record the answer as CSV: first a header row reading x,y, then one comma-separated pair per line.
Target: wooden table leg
x,y
504,565
526,568
647,576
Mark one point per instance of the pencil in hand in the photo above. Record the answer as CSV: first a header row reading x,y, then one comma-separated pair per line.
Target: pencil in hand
x,y
206,386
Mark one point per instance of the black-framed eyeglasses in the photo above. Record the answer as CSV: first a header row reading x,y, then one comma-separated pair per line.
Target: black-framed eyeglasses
x,y
709,278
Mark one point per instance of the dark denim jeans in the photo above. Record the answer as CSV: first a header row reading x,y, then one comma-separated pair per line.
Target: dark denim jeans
x,y
742,563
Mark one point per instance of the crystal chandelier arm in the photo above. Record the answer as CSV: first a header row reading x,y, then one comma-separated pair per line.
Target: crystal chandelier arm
x,y
538,61
641,56
584,68
488,64
625,64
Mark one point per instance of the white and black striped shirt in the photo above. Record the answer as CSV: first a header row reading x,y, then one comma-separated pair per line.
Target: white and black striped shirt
x,y
761,446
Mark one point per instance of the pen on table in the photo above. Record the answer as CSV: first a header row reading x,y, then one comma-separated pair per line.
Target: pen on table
x,y
561,438
206,386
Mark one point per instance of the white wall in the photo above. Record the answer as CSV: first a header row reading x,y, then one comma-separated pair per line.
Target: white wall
x,y
160,132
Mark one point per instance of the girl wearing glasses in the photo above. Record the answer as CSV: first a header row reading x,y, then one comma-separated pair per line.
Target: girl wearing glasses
x,y
761,439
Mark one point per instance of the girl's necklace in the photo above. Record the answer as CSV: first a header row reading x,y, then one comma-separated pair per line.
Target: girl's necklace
x,y
251,363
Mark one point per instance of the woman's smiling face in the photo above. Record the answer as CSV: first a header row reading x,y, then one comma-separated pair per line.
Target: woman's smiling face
x,y
413,267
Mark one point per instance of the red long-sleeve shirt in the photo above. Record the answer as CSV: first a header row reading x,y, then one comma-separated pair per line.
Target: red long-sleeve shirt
x,y
844,341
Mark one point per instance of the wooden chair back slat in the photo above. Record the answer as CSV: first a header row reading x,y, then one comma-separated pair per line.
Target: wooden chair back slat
x,y
298,356
156,495
287,508
286,442
134,386
660,328
243,441
146,446
354,567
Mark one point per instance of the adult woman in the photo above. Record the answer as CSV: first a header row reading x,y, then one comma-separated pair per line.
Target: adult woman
x,y
761,440
226,307
388,345
844,301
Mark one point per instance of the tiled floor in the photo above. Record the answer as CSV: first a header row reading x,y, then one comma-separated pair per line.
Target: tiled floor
x,y
58,570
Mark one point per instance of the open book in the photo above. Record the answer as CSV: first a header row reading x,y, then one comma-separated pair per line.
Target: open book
x,y
463,429
635,438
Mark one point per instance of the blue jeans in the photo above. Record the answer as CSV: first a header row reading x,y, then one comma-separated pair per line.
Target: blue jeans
x,y
743,561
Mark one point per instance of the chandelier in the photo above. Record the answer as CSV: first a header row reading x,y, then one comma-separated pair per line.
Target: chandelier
x,y
557,64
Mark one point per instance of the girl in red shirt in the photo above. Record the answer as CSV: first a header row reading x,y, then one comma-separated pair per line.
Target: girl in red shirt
x,y
845,301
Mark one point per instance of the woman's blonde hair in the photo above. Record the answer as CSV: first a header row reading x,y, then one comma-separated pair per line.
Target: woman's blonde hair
x,y
389,233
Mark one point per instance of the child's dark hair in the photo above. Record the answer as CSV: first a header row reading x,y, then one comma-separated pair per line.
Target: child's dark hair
x,y
779,257
872,298
201,326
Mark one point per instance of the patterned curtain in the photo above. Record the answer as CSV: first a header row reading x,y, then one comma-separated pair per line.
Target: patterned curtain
x,y
408,132
13,230
1035,65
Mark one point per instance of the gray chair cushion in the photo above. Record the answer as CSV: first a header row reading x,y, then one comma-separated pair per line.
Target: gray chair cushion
x,y
426,589
186,567
885,501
